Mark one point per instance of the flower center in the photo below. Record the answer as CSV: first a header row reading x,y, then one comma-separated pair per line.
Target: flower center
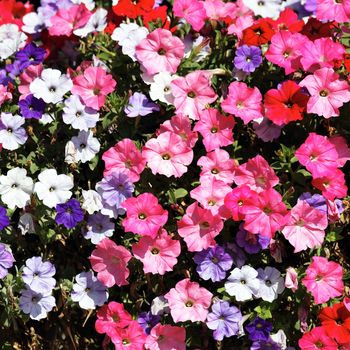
x,y
267,210
51,189
78,114
243,282
142,216
189,303
14,186
319,344
214,259
10,131
211,202
155,251
52,89
240,203
191,94
324,93
82,145
286,54
166,156
214,130
125,341
239,105
96,91
248,59
268,282
215,171
204,224
161,52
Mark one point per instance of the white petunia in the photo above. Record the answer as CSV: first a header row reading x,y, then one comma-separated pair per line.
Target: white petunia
x,y
26,223
70,153
98,227
33,23
90,4
264,8
11,40
271,283
16,188
160,89
92,201
96,23
280,338
86,146
52,188
12,135
51,85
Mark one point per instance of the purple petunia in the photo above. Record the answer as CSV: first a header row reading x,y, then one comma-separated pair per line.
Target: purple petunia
x,y
69,214
212,263
4,220
251,242
30,55
32,107
139,105
6,260
147,321
248,58
265,345
259,329
223,319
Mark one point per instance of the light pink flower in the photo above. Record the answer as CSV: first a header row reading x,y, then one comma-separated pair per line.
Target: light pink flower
x,y
198,227
160,51
4,94
192,11
144,215
93,86
29,74
240,24
110,262
324,279
342,149
168,154
328,93
243,102
166,337
158,254
291,280
305,226
188,301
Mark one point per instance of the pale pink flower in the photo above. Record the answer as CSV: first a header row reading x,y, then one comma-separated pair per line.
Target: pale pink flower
x,y
324,279
328,93
192,93
166,337
215,128
124,157
168,154
243,102
29,74
160,51
199,227
330,10
332,185
192,11
188,301
240,24
110,262
291,280
158,254
144,215
305,226
93,86
219,10
342,149
4,94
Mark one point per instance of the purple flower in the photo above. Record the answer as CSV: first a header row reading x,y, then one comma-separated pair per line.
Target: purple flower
x,y
236,253
69,213
98,227
37,305
248,58
212,263
259,329
139,105
6,260
32,107
265,345
4,220
267,130
251,242
5,77
37,275
14,69
310,6
147,321
316,201
223,319
30,55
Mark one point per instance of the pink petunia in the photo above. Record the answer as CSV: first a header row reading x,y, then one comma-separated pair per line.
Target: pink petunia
x,y
4,94
160,51
328,93
93,86
158,254
324,279
199,227
342,149
129,338
305,226
29,74
332,185
167,154
166,337
215,128
110,262
126,158
291,280
317,338
144,215
188,301
192,93
330,10
243,102
192,11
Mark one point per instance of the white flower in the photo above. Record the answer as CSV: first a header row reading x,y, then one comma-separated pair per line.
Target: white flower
x,y
70,153
243,283
92,201
98,227
280,338
16,188
96,23
12,135
160,89
51,85
53,189
78,115
160,306
86,145
202,48
11,40
128,36
33,23
90,4
46,119
271,283
26,223
264,8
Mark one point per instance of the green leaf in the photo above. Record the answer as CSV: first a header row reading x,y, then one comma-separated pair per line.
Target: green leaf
x,y
333,236
180,193
263,312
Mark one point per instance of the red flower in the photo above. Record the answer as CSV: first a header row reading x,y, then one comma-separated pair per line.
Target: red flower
x,y
13,12
288,20
259,33
336,321
315,29
129,9
285,104
158,17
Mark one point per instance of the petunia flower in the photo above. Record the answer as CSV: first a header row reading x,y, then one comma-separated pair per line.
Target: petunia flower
x,y
12,134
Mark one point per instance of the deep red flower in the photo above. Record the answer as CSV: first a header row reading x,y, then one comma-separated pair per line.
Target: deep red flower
x,y
287,20
285,104
158,17
13,12
259,33
131,9
315,29
113,21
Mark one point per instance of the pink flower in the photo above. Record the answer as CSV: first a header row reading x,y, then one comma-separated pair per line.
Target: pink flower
x,y
130,338
4,94
330,10
110,262
198,227
126,158
188,301
257,174
144,215
65,21
215,128
305,226
328,93
160,51
27,77
166,337
217,164
318,155
192,93
291,280
158,254
324,279
192,11
332,185
240,24
342,149
93,86
168,154
317,338
243,102
265,214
